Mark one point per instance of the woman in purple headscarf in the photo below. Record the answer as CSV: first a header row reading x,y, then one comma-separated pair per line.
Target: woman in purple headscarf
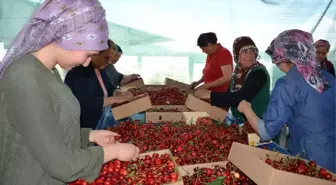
x,y
322,48
40,138
304,99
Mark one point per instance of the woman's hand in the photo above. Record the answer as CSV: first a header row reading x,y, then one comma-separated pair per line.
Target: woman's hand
x,y
204,86
203,94
121,151
135,76
244,106
102,137
119,92
122,98
193,85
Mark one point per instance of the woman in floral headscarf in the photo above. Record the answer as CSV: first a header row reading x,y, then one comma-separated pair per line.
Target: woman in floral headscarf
x,y
41,142
322,48
304,99
250,81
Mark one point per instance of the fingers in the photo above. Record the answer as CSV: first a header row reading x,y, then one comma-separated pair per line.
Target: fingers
x,y
136,155
114,133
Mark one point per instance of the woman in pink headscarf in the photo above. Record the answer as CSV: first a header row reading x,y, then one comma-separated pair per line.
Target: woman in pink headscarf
x,y
304,100
40,138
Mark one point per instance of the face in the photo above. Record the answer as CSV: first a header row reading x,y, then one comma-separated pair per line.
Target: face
x,y
284,66
104,58
247,58
68,59
210,49
321,53
117,56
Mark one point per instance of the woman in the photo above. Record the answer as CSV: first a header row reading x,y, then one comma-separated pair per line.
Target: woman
x,y
250,81
304,100
93,90
116,78
218,67
322,48
41,141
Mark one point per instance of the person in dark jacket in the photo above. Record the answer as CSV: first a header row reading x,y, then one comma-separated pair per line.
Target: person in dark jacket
x,y
93,90
322,48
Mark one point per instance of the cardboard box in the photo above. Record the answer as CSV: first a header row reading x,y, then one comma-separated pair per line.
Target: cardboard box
x,y
250,161
137,83
190,118
136,106
189,170
198,105
184,115
170,82
157,117
160,152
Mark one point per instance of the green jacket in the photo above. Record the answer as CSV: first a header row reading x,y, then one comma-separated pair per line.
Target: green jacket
x,y
259,103
41,142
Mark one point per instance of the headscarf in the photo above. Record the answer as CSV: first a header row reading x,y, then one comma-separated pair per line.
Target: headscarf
x,y
322,43
296,46
240,73
71,24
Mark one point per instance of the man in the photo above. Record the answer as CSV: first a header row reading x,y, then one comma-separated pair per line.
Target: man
x,y
117,79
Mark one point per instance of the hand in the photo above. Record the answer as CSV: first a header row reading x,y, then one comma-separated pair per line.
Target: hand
x,y
102,137
122,98
243,106
194,84
126,93
204,86
121,151
135,76
203,94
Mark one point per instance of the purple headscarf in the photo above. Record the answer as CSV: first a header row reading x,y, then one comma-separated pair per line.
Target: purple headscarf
x,y
71,24
297,46
322,43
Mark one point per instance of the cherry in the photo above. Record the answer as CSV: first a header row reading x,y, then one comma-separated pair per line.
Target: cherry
x,y
312,163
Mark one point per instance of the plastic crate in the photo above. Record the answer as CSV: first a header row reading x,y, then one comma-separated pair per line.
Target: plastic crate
x,y
273,147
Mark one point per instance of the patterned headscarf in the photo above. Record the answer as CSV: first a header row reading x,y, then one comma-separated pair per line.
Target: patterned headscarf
x,y
240,73
322,43
296,46
71,24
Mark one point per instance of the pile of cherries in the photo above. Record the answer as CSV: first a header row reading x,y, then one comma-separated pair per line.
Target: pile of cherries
x,y
163,95
190,144
156,169
299,166
229,174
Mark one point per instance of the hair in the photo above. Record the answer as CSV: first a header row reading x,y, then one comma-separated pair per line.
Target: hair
x,y
206,38
111,44
119,48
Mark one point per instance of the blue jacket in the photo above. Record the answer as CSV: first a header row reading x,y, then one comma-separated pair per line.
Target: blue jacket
x,y
310,117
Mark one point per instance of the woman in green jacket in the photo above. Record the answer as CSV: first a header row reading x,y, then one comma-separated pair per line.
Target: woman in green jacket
x,y
250,81
40,138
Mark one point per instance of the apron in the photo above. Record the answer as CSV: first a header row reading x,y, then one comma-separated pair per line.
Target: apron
x,y
106,119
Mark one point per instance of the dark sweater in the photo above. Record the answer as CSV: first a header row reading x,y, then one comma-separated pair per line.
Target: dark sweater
x,y
255,81
85,86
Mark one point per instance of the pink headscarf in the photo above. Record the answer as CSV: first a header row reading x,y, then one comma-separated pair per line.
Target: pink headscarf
x,y
297,46
71,24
